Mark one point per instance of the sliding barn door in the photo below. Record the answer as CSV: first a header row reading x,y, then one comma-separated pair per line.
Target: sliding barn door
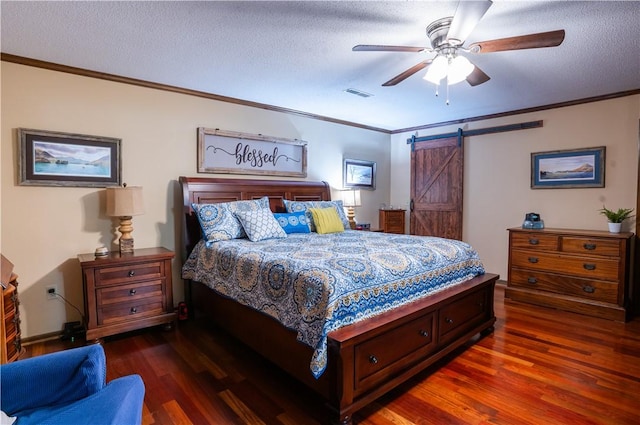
x,y
436,188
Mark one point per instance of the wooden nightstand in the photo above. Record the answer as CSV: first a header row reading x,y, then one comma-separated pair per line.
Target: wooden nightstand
x,y
123,292
392,221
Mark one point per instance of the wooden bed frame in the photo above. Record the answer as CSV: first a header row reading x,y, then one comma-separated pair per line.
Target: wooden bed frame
x,y
366,359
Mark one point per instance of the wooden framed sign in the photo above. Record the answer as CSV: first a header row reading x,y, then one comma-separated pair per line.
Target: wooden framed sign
x,y
222,151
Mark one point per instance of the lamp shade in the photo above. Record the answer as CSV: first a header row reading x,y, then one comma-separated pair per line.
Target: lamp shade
x,y
351,198
459,69
124,201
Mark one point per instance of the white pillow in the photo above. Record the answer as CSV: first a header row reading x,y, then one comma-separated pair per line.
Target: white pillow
x,y
260,225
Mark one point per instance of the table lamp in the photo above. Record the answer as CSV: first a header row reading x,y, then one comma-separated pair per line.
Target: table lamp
x,y
125,202
351,199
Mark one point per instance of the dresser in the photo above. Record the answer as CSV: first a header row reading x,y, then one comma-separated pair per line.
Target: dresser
x,y
391,221
10,347
124,292
583,271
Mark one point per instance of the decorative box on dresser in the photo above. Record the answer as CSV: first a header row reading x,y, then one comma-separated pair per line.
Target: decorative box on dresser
x,y
583,271
124,292
391,221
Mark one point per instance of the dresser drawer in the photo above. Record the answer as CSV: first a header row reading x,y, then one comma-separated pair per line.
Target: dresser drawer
x,y
593,268
376,358
589,289
146,307
466,310
591,246
129,293
129,273
537,241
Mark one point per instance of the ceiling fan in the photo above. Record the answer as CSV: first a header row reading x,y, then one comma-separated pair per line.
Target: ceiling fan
x,y
447,36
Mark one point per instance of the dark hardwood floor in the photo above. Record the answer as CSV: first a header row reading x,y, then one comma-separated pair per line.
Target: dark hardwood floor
x,y
540,366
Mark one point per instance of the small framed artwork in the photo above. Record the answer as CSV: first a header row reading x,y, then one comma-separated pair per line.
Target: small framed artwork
x,y
358,174
49,158
574,168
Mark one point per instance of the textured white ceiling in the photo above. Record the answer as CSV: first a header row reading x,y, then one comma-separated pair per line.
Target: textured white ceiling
x,y
297,54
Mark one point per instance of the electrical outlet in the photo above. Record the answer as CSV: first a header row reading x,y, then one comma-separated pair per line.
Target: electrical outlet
x,y
51,292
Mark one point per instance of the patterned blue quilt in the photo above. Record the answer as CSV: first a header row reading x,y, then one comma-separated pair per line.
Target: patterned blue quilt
x,y
315,284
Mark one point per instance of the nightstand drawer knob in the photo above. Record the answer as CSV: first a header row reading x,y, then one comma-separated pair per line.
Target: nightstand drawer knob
x,y
132,292
589,246
588,266
373,359
424,333
134,310
533,260
132,273
534,241
448,320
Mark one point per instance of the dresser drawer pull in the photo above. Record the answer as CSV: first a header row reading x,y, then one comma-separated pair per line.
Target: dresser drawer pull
x,y
588,289
533,260
534,241
133,310
532,280
373,359
424,333
448,320
589,246
132,273
132,292
588,266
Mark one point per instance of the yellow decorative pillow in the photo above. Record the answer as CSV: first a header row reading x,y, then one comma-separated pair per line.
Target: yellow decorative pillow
x,y
327,220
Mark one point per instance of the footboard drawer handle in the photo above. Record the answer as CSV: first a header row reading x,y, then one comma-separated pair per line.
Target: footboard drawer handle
x,y
588,289
534,241
373,359
589,246
424,333
448,320
533,260
133,310
132,273
532,280
132,292
588,266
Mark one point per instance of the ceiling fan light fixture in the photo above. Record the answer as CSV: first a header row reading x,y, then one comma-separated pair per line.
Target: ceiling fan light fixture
x,y
437,70
459,69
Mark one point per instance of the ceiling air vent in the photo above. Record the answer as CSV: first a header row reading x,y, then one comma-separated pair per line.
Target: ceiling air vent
x,y
358,93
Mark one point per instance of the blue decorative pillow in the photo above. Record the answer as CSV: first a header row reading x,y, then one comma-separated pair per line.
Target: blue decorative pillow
x,y
293,222
218,221
260,225
297,206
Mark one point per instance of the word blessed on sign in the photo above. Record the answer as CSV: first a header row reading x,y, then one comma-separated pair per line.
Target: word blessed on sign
x,y
229,152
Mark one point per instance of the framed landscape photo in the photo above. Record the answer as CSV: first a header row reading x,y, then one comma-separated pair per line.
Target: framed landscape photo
x,y
49,158
574,168
358,174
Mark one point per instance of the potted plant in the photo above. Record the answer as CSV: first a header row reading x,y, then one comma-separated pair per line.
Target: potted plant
x,y
616,218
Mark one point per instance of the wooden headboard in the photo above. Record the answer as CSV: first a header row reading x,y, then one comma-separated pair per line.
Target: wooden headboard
x,y
201,190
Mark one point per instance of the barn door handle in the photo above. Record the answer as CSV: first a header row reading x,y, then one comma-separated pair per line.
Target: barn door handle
x,y
411,205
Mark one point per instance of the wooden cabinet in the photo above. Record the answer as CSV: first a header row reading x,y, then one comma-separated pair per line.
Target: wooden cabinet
x,y
123,292
392,221
588,272
10,347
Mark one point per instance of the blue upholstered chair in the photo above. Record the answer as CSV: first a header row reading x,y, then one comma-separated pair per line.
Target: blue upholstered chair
x,y
69,387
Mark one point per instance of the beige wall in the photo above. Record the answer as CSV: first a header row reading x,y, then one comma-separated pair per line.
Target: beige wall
x,y
45,228
497,180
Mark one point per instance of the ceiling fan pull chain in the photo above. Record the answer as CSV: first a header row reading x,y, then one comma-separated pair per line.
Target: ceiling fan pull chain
x,y
447,77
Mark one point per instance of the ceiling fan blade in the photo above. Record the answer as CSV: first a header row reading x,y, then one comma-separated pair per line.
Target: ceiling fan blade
x,y
408,73
531,41
378,48
477,77
467,16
